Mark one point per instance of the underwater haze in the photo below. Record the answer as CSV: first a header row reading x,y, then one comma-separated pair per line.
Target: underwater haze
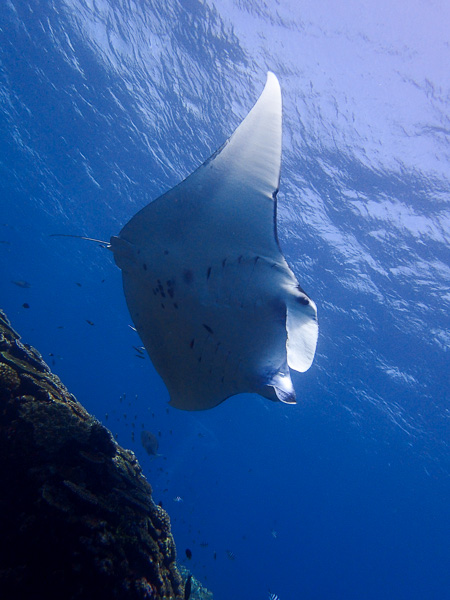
x,y
105,105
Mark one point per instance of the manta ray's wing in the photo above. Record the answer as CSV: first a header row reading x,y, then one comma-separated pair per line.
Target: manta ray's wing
x,y
209,291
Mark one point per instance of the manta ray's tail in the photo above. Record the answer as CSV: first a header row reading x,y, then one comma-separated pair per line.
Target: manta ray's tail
x,y
82,237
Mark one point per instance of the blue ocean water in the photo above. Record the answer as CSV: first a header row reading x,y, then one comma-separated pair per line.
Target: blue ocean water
x,y
105,104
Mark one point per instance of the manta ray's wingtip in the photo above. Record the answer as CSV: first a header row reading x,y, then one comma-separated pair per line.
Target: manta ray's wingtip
x,y
272,81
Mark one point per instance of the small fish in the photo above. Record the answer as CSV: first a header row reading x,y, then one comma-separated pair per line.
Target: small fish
x,y
139,349
204,544
26,305
89,322
231,555
140,356
188,553
273,596
150,442
178,499
21,283
77,283
274,533
133,328
187,588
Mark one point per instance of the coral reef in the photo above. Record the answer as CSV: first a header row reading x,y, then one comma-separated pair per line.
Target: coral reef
x,y
77,520
198,592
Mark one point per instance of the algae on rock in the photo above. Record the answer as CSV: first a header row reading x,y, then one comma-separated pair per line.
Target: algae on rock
x,y
77,519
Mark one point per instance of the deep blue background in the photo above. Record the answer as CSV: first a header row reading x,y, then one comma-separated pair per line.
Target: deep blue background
x,y
105,105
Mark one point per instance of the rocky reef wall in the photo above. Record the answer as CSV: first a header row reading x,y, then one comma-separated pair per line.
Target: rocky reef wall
x,y
77,520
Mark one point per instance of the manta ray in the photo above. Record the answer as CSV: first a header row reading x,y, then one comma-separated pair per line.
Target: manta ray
x,y
209,291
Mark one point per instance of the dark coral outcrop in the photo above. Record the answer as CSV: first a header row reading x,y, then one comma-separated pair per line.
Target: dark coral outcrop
x,y
77,520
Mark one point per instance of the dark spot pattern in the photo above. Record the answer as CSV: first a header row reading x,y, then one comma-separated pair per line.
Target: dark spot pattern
x,y
208,328
188,276
192,343
161,289
303,300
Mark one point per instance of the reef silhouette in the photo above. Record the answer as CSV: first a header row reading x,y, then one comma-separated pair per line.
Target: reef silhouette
x,y
77,519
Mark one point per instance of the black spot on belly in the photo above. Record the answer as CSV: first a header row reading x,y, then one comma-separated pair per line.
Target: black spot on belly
x,y
208,328
303,300
170,287
188,276
160,288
